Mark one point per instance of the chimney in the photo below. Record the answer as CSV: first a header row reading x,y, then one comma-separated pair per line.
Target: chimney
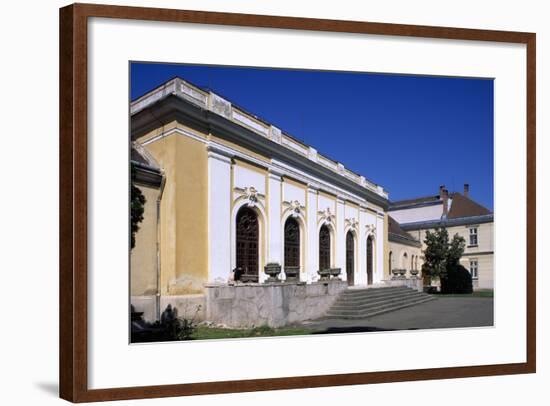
x,y
445,197
466,190
441,189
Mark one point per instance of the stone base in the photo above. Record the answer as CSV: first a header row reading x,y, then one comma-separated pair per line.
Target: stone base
x,y
189,306
413,283
275,305
146,305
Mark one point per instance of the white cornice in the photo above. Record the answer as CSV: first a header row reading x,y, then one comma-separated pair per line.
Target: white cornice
x,y
277,168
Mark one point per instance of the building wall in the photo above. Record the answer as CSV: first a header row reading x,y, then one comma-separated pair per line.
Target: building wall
x,y
143,259
398,252
208,180
483,252
184,217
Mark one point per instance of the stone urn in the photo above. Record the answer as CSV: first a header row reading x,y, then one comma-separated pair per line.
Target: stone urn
x,y
273,270
292,273
324,274
395,273
335,273
402,273
414,273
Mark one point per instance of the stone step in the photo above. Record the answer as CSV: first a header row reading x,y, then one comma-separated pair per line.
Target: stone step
x,y
376,311
372,291
373,302
359,301
364,303
378,306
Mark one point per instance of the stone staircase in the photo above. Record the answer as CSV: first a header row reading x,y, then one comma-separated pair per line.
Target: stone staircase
x,y
363,303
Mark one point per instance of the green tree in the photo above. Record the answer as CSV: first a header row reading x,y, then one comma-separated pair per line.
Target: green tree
x,y
456,249
441,255
435,254
137,203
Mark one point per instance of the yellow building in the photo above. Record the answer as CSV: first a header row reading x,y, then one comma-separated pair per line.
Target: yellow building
x,y
405,251
461,215
238,194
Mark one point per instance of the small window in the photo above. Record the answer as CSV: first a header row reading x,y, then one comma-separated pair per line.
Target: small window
x,y
473,268
473,236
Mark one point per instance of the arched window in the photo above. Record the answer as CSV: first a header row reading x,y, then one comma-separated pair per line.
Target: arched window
x,y
412,262
390,265
247,244
350,257
292,242
404,261
369,259
324,247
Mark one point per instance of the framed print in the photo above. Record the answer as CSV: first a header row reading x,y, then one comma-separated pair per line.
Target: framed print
x,y
257,202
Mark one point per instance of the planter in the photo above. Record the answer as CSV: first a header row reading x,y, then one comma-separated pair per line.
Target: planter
x,y
335,273
292,273
324,274
414,273
395,273
273,270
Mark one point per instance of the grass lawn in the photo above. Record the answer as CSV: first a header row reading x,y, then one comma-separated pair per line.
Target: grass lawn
x,y
210,333
478,293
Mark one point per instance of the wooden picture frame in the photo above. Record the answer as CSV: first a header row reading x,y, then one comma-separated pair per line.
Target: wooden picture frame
x,y
73,197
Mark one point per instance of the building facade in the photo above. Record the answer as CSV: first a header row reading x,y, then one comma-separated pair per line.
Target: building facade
x,y
229,195
405,251
239,194
460,215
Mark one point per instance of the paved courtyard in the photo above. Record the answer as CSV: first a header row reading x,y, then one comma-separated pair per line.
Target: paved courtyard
x,y
443,312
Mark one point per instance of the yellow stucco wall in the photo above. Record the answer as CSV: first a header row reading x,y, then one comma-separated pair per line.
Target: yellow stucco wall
x,y
294,182
398,251
184,216
483,252
143,258
239,148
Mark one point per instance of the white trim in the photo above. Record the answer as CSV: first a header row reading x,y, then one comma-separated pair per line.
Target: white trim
x,y
300,218
275,165
262,234
332,229
356,252
177,130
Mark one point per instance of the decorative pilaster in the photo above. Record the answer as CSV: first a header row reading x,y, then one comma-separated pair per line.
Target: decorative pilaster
x,y
340,237
274,218
380,241
361,272
219,215
312,258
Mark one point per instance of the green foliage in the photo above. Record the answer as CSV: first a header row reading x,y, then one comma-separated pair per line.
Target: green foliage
x,y
209,333
137,203
458,280
435,254
440,255
456,249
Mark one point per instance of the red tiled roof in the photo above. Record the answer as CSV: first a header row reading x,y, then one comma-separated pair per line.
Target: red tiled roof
x,y
463,206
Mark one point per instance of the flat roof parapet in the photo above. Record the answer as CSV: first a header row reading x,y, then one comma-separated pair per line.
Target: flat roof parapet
x,y
213,102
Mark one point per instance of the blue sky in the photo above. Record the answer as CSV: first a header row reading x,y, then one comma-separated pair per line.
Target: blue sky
x,y
409,134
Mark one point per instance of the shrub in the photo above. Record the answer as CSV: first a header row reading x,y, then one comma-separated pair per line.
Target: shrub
x,y
457,280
